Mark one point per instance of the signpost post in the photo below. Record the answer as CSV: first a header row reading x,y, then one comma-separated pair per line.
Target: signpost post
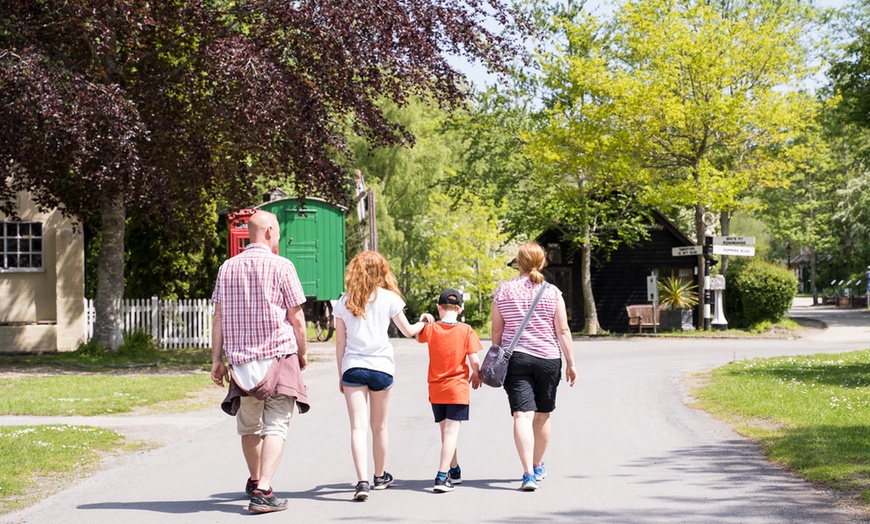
x,y
724,245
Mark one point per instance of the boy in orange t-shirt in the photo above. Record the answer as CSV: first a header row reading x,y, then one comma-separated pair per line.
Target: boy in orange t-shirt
x,y
453,347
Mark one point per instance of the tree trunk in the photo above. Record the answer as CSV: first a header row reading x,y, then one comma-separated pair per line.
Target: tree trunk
x,y
109,323
590,313
813,276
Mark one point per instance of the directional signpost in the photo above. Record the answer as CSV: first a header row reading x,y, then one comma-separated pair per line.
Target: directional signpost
x,y
732,246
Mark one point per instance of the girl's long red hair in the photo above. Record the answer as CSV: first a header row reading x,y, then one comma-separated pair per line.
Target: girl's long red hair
x,y
367,272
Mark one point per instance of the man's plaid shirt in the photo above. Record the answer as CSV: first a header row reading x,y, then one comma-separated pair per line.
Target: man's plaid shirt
x,y
255,289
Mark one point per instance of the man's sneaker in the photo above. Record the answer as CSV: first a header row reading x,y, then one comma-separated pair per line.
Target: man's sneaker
x,y
362,490
443,485
383,482
540,472
455,475
266,502
250,486
529,483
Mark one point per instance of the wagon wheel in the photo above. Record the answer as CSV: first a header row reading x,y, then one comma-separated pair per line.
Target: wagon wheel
x,y
323,323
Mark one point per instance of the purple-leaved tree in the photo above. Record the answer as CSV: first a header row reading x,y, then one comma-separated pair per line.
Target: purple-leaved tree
x,y
110,106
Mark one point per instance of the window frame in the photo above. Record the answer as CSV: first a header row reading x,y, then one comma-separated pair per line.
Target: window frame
x,y
30,252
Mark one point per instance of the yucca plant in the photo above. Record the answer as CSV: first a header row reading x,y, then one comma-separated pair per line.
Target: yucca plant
x,y
677,293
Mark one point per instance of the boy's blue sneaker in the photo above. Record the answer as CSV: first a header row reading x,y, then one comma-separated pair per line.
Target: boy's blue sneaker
x,y
442,485
455,475
540,472
529,483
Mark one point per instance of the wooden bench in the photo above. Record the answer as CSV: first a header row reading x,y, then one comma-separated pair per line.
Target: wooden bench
x,y
642,316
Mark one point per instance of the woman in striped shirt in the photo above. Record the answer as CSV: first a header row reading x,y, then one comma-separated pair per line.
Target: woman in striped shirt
x,y
535,368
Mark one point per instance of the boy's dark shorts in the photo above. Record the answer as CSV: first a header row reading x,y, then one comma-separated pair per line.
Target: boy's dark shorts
x,y
450,411
531,383
359,377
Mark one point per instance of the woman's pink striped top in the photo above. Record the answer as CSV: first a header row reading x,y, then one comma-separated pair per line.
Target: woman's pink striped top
x,y
513,299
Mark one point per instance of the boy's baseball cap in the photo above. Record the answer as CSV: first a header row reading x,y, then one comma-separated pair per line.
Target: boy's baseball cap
x,y
450,296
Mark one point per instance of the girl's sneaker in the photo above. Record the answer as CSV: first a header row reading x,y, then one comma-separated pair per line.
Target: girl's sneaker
x,y
383,482
362,491
540,472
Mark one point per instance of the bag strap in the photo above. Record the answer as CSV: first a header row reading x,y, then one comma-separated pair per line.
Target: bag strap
x,y
510,349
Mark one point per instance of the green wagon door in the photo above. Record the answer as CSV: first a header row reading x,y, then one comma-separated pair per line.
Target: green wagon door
x,y
313,239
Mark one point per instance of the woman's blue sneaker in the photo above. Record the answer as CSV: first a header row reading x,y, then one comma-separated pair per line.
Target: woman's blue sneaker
x,y
529,483
540,472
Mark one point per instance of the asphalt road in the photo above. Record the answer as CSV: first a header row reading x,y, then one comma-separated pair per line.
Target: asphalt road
x,y
625,449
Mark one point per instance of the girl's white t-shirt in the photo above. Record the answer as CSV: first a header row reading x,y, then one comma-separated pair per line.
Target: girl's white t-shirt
x,y
368,344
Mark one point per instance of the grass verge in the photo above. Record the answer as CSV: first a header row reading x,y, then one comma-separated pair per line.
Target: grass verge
x,y
809,413
94,394
35,459
86,382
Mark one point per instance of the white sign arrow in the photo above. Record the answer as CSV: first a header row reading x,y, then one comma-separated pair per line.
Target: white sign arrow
x,y
740,251
687,250
734,241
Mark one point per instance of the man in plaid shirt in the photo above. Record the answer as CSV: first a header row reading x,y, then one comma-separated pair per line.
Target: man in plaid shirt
x,y
260,325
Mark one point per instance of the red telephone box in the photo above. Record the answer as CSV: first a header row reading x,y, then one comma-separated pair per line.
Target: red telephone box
x,y
239,237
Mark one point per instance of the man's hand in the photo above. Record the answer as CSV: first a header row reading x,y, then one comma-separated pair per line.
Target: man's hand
x,y
303,360
219,373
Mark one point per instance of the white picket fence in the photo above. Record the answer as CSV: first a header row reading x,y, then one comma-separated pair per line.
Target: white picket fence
x,y
172,323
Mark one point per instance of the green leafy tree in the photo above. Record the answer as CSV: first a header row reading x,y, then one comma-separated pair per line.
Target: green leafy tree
x,y
581,178
822,206
466,251
701,89
404,177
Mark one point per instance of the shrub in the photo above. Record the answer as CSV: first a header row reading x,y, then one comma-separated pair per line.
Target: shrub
x,y
758,291
91,348
138,345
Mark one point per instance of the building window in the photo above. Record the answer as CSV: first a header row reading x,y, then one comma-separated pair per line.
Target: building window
x,y
21,246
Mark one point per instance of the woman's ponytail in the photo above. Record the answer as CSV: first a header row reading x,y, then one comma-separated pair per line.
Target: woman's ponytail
x,y
531,259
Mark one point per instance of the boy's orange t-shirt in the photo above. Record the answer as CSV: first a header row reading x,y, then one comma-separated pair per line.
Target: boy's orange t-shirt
x,y
449,346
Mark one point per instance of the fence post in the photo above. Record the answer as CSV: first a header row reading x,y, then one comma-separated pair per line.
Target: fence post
x,y
155,319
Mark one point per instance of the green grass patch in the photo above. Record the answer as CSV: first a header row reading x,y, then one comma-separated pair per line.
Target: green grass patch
x,y
91,381
92,357
31,455
810,413
93,394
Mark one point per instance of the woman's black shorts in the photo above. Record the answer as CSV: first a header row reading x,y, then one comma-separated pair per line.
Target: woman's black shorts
x,y
531,382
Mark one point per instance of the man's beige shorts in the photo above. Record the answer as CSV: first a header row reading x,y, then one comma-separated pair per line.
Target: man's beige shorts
x,y
265,417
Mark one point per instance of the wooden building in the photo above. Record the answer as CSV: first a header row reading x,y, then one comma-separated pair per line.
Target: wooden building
x,y
620,279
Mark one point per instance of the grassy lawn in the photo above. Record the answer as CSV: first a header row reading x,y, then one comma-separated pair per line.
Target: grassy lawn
x,y
94,394
84,383
37,459
810,413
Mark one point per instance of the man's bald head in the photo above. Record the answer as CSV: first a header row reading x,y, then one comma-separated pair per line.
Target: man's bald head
x,y
263,228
